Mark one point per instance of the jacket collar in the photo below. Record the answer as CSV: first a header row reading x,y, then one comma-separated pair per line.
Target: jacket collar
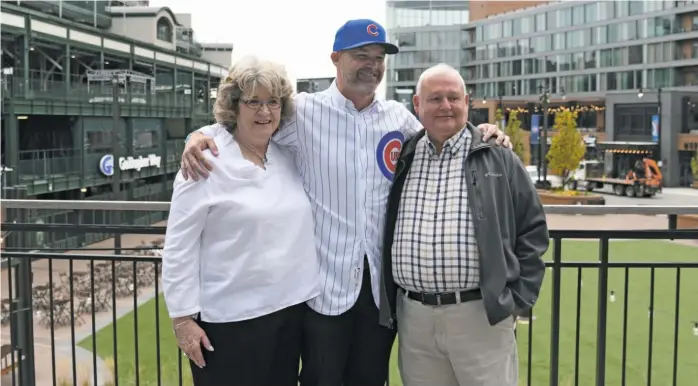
x,y
475,142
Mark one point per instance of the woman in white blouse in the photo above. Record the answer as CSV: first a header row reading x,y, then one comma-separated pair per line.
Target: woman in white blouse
x,y
239,258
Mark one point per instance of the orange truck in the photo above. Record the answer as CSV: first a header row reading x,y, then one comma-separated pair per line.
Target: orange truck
x,y
629,170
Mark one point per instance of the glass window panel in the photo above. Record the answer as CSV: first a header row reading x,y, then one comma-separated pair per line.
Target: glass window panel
x,y
541,22
590,12
606,10
602,35
590,59
622,8
635,54
564,62
578,15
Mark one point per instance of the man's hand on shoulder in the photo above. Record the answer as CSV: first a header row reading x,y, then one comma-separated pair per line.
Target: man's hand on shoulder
x,y
489,130
194,163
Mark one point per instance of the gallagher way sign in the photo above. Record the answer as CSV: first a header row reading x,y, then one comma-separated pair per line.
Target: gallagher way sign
x,y
106,164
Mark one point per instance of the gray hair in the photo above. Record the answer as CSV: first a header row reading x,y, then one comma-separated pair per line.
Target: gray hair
x,y
244,78
439,69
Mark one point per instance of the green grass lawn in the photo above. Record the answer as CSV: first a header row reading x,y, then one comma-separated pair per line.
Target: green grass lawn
x,y
637,335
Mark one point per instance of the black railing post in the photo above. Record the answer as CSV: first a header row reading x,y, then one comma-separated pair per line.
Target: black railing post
x,y
555,313
25,322
116,153
673,223
601,313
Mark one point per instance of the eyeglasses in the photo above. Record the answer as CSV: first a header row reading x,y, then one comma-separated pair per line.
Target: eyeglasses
x,y
256,104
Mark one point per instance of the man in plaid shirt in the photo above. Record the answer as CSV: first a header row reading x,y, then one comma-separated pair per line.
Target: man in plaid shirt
x,y
464,236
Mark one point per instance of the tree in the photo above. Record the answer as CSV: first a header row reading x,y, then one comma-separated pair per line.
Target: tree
x,y
513,130
694,166
498,116
567,148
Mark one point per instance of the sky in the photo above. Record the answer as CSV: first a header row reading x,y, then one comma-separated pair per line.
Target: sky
x,y
296,33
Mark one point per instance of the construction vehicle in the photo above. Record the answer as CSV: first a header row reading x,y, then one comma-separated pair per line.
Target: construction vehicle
x,y
627,167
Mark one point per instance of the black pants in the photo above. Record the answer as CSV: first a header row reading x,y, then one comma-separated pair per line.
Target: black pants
x,y
350,349
264,351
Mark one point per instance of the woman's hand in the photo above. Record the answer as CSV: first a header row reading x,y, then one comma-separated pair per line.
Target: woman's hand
x,y
190,338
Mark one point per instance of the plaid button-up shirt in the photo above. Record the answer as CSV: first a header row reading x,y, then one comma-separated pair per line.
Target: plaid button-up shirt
x,y
434,248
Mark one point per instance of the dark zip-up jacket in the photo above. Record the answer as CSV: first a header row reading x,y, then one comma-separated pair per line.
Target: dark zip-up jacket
x,y
510,228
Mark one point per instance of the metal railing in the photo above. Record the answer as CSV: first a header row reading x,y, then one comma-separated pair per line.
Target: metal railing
x,y
39,86
603,316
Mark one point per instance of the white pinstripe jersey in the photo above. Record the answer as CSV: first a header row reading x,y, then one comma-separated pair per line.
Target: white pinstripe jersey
x,y
346,159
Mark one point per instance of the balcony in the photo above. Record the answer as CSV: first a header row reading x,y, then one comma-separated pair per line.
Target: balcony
x,y
618,305
40,95
64,169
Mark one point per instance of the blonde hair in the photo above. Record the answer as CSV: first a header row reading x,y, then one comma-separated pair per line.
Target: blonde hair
x,y
244,78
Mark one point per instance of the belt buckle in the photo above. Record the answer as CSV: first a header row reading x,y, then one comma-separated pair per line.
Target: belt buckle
x,y
437,297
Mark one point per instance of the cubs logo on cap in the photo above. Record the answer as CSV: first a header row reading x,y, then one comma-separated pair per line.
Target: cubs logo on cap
x,y
362,32
388,153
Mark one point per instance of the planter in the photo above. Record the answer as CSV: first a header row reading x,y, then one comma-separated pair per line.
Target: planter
x,y
687,221
549,198
694,185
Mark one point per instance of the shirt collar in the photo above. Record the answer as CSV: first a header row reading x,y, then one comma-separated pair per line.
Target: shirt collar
x,y
454,144
341,101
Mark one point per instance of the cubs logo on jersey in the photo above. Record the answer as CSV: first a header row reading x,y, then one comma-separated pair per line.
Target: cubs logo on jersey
x,y
388,152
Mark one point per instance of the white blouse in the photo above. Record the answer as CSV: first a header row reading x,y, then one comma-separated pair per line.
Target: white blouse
x,y
240,243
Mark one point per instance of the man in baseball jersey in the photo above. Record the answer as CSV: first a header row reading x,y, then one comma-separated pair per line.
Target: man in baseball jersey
x,y
346,143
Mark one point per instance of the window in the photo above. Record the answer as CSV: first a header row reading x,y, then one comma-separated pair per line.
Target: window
x,y
516,67
606,10
559,41
564,62
551,64
578,61
404,75
506,28
635,54
564,18
406,39
634,120
611,81
527,24
590,59
607,57
637,7
590,12
601,35
622,8
164,29
578,15
523,47
541,24
540,44
576,38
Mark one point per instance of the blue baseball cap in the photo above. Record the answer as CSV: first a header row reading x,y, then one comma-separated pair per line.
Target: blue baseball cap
x,y
362,32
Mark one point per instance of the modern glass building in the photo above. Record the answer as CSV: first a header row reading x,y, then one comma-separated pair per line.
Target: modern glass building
x,y
593,56
427,32
420,13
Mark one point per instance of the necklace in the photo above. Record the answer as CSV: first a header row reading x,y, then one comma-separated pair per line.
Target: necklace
x,y
262,158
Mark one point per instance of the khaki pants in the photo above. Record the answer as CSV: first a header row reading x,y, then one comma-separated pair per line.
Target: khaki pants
x,y
454,345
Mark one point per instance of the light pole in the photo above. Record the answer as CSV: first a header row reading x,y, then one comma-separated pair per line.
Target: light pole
x,y
640,94
544,98
470,105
